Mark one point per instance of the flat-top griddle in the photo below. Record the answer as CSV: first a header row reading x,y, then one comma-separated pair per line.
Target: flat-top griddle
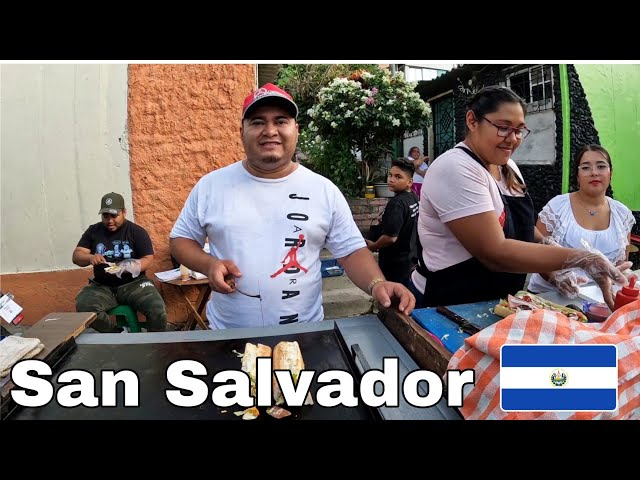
x,y
321,350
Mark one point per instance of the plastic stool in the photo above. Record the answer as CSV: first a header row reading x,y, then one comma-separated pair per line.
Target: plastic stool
x,y
125,315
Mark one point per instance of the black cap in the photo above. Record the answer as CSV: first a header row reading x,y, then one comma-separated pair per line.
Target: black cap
x,y
112,203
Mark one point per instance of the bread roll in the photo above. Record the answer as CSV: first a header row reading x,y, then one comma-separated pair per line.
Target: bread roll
x,y
249,361
287,356
524,300
503,310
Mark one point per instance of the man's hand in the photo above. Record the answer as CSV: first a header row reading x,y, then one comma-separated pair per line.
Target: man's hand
x,y
385,291
97,259
369,244
218,270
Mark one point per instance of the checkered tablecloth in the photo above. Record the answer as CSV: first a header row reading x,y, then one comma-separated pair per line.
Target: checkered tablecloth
x,y
481,352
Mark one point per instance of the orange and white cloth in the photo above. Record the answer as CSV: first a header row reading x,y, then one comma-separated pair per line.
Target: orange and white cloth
x,y
481,352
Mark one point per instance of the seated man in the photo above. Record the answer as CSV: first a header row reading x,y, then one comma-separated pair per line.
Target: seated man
x,y
117,240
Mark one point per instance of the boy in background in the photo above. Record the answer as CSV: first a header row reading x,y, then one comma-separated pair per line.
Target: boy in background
x,y
397,244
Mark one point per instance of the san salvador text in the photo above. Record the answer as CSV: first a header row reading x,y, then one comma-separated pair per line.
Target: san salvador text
x,y
377,388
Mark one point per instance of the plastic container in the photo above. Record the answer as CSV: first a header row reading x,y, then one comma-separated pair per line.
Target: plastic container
x,y
369,192
596,312
383,191
331,268
627,294
185,273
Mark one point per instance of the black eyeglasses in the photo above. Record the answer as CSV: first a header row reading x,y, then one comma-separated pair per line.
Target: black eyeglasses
x,y
505,130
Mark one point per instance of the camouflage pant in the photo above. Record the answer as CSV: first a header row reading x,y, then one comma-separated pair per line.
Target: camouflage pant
x,y
141,295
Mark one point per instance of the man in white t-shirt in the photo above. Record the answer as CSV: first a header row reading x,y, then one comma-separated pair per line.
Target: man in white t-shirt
x,y
267,219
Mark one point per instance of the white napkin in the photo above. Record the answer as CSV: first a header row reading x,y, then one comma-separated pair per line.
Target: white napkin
x,y
14,348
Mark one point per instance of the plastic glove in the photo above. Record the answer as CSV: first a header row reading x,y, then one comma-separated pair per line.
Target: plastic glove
x,y
567,282
550,241
599,268
625,269
133,266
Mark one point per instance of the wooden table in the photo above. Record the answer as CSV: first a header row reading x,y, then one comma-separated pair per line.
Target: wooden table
x,y
195,308
58,327
423,349
53,330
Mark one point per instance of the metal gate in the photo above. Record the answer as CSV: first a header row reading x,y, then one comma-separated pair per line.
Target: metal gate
x,y
444,132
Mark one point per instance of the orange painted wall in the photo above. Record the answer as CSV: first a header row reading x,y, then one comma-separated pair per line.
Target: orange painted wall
x,y
184,121
45,292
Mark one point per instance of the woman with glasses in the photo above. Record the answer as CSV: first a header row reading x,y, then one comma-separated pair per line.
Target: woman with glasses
x,y
476,222
587,214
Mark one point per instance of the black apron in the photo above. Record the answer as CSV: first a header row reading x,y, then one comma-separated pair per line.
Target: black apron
x,y
470,281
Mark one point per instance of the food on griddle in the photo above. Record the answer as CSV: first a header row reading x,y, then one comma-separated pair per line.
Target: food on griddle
x,y
278,412
528,301
287,356
249,414
249,358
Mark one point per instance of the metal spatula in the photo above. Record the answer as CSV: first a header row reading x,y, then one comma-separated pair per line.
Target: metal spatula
x,y
232,283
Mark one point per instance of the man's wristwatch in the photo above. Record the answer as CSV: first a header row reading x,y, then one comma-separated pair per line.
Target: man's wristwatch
x,y
372,283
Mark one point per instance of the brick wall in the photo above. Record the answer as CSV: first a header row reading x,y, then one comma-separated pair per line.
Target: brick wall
x,y
366,211
184,121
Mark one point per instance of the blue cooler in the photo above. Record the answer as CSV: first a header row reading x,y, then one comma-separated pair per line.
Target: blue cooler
x,y
331,268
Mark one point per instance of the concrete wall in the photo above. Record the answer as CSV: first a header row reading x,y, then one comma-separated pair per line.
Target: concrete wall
x,y
183,121
613,94
540,147
60,151
410,142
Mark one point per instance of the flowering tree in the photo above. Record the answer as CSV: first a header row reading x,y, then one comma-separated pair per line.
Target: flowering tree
x,y
362,115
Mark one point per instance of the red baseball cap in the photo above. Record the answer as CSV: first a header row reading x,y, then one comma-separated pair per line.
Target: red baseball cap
x,y
270,93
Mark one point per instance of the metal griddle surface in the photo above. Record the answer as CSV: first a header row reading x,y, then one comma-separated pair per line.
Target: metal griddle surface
x,y
321,351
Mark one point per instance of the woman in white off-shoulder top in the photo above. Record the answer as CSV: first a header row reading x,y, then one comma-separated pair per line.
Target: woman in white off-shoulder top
x,y
587,214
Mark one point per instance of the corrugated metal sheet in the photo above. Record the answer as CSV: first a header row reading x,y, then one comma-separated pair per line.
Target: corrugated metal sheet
x,y
267,73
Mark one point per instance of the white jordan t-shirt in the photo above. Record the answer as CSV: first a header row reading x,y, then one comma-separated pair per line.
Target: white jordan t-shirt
x,y
257,223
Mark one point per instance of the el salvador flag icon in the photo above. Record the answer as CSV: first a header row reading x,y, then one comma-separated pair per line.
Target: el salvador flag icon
x,y
553,378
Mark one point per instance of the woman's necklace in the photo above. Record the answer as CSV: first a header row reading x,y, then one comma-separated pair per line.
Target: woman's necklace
x,y
591,212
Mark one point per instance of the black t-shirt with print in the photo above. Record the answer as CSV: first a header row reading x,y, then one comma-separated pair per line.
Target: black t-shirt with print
x,y
129,241
400,219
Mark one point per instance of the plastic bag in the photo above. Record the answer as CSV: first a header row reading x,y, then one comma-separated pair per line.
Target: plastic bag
x,y
567,282
133,266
